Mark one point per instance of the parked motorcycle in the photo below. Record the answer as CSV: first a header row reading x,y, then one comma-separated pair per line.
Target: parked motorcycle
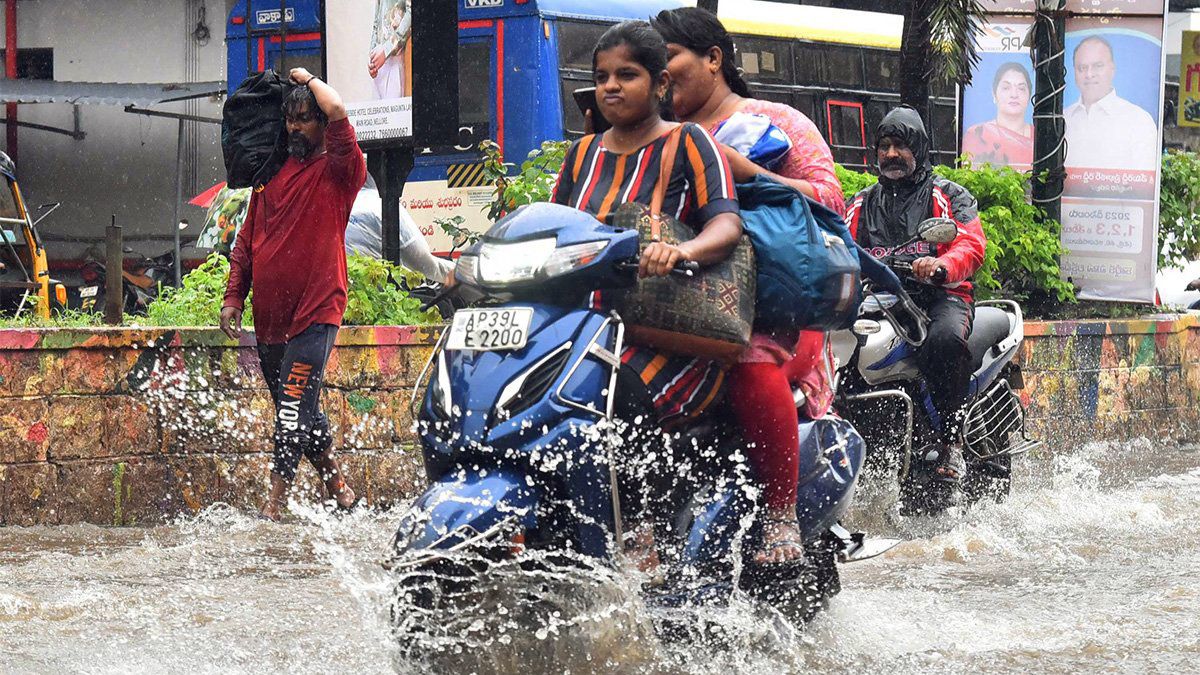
x,y
139,285
881,389
524,448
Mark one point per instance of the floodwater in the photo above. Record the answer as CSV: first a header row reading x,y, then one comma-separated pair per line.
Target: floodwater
x,y
1092,565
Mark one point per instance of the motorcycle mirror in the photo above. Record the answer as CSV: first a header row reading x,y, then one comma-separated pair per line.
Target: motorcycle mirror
x,y
865,327
938,230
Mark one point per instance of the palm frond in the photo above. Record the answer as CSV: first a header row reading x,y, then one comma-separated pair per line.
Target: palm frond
x,y
954,39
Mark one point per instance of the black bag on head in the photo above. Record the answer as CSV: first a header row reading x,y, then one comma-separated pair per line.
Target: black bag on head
x,y
253,134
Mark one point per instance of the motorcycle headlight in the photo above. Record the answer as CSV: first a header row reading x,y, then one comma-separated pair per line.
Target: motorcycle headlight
x,y
513,262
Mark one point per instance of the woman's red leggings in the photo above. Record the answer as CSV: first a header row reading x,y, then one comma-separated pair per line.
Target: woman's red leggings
x,y
762,402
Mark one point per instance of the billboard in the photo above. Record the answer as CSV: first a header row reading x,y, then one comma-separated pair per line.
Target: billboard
x,y
1113,119
1189,80
1151,7
997,109
369,60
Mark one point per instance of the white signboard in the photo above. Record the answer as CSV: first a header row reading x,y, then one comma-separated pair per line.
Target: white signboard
x,y
369,61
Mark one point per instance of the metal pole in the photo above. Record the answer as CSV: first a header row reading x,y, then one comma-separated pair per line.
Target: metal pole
x,y
283,37
1049,126
249,49
114,277
10,72
178,204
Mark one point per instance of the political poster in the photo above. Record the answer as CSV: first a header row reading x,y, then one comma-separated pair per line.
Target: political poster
x,y
1113,120
1078,7
997,109
369,60
1189,80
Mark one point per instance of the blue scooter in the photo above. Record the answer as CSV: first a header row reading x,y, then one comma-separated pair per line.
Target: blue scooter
x,y
535,439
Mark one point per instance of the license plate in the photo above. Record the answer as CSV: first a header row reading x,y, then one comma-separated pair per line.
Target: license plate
x,y
490,329
88,291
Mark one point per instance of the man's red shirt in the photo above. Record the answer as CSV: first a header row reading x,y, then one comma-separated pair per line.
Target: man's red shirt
x,y
292,247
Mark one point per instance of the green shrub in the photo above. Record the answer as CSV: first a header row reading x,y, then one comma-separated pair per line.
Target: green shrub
x,y
374,296
534,182
1023,249
198,301
1178,217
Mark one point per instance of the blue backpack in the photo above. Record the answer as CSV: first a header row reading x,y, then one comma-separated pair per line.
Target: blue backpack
x,y
808,267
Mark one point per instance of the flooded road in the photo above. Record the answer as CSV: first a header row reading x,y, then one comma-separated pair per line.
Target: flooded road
x,y
1092,565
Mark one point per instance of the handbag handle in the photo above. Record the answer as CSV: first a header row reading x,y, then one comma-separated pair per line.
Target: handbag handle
x,y
664,179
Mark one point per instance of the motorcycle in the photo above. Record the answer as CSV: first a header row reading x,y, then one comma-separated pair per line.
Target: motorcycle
x,y
139,286
521,428
877,366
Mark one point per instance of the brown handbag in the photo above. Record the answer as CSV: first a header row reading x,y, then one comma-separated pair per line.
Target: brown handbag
x,y
709,314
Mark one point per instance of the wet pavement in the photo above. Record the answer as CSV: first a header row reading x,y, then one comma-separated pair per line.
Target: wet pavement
x,y
1092,565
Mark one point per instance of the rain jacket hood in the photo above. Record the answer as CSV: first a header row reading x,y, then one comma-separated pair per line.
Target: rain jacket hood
x,y
894,211
905,123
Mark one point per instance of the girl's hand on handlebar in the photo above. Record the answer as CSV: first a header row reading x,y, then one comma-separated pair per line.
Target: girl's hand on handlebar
x,y
924,269
659,259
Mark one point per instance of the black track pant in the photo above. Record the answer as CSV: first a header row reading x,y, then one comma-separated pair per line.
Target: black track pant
x,y
945,360
294,371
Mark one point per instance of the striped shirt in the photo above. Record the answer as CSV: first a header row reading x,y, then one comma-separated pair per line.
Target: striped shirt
x,y
597,180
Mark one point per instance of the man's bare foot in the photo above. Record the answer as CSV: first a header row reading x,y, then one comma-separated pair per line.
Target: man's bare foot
x,y
270,512
276,500
782,541
335,484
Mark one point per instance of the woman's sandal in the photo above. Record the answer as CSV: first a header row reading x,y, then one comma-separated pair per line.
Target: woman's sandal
x,y
793,540
951,466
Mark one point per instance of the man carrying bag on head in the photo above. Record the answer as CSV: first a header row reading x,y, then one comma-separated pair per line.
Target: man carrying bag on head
x,y
291,253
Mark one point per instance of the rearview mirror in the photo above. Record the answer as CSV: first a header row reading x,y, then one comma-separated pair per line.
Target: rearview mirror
x,y
938,230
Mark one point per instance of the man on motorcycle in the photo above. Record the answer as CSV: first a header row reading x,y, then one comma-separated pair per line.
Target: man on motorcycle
x,y
886,215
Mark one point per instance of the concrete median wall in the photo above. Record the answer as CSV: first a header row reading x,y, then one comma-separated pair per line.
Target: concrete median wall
x,y
127,426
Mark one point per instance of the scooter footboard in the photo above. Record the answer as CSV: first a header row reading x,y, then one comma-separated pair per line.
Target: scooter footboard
x,y
467,507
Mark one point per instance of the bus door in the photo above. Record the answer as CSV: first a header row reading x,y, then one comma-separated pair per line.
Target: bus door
x,y
446,183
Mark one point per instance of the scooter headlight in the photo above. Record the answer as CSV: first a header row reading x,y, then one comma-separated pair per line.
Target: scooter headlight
x,y
508,263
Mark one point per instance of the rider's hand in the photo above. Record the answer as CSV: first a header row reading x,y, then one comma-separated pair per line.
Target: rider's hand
x,y
231,322
924,268
300,76
659,259
1194,286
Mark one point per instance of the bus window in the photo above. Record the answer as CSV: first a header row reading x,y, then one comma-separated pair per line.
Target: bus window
x,y
474,92
807,104
944,133
883,68
843,67
576,41
572,115
764,60
809,65
846,133
769,95
295,59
